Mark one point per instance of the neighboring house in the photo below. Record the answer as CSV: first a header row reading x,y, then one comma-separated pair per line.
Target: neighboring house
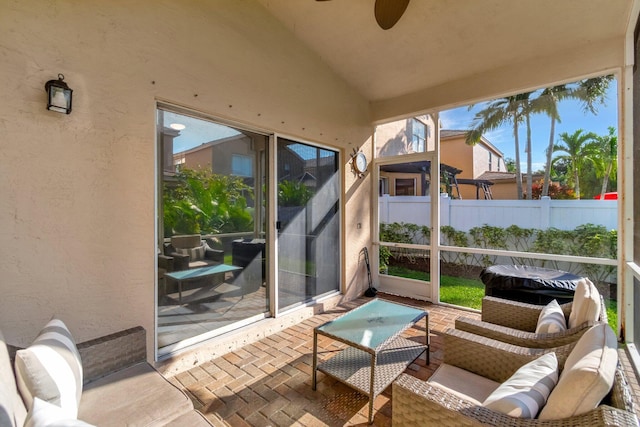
x,y
412,135
474,161
233,156
227,156
469,163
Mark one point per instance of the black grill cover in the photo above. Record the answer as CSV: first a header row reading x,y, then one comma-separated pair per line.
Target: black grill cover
x,y
535,285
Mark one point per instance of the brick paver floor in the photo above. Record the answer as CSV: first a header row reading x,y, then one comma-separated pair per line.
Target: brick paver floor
x,y
268,383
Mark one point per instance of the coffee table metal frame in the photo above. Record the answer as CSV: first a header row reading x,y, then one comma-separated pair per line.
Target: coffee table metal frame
x,y
370,370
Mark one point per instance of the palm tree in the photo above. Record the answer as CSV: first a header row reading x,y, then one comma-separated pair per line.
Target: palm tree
x,y
527,108
605,157
512,109
590,91
548,102
577,152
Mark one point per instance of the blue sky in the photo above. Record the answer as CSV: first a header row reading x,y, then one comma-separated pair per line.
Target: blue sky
x,y
196,131
571,115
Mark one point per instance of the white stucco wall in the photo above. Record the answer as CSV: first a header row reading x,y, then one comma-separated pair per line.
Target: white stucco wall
x,y
77,211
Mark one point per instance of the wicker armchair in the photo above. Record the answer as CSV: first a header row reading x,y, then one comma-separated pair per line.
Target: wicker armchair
x,y
515,322
417,402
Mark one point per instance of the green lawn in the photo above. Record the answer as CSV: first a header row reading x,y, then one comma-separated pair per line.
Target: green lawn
x,y
469,292
453,290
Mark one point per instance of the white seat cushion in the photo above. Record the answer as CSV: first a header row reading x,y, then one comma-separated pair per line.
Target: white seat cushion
x,y
45,414
463,384
137,394
587,376
551,319
51,369
526,391
586,304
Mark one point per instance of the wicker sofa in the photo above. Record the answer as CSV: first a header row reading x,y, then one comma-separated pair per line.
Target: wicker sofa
x,y
119,388
416,402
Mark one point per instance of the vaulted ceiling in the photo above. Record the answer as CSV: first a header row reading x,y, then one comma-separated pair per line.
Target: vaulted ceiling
x,y
437,43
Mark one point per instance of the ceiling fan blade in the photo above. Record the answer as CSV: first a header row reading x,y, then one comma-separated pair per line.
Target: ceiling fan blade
x,y
388,12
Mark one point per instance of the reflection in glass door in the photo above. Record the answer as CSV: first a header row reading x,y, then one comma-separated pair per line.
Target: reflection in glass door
x,y
308,222
211,229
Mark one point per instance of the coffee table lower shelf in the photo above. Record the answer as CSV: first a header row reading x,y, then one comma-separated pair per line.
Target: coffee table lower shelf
x,y
353,366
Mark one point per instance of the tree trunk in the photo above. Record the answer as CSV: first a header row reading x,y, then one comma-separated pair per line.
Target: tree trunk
x,y
547,169
605,180
517,147
529,165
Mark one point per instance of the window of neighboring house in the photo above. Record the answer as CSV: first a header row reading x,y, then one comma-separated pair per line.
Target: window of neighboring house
x,y
490,158
405,187
241,165
498,165
419,135
383,186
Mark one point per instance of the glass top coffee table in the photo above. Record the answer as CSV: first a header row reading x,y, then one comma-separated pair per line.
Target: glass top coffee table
x,y
377,353
199,273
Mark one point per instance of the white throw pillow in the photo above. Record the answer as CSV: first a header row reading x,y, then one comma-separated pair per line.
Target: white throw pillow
x,y
51,369
45,414
526,391
587,376
551,319
586,303
12,411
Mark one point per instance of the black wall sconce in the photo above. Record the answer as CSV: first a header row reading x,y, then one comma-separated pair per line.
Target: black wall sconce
x,y
59,95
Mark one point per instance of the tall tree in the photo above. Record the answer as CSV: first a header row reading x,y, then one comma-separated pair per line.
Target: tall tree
x,y
605,157
527,109
591,92
548,102
496,113
577,151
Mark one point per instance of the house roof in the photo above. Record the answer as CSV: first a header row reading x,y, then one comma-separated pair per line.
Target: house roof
x,y
438,50
503,176
457,133
451,133
496,176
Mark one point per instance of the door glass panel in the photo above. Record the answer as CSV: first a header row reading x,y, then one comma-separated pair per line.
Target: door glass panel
x,y
211,246
308,222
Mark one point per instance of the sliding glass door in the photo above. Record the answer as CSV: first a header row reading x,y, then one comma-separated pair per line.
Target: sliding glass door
x,y
214,251
211,229
308,222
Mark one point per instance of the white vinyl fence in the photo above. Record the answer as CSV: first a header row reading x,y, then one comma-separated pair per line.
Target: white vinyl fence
x,y
464,215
